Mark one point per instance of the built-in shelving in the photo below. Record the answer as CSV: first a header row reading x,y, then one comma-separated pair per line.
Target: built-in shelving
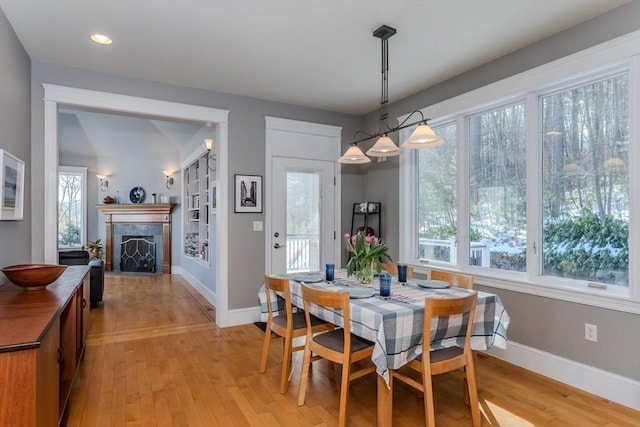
x,y
196,222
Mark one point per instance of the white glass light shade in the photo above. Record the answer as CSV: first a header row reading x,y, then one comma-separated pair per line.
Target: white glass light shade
x,y
384,147
423,137
354,155
101,39
101,177
208,142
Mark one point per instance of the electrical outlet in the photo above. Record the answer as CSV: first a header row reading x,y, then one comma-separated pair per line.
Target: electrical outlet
x,y
590,332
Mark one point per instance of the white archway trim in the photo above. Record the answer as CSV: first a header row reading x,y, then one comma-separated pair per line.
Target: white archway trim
x,y
55,95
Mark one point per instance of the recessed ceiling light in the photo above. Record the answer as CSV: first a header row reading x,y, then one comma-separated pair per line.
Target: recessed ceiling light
x,y
101,38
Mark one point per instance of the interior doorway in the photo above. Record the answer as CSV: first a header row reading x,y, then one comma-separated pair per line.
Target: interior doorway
x,y
55,96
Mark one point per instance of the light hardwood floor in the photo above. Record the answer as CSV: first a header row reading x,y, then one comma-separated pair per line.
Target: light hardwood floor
x,y
156,358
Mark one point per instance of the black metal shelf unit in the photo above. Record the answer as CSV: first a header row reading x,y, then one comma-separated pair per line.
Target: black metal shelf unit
x,y
366,217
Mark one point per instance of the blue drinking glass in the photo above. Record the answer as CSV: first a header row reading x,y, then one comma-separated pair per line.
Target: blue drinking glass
x,y
329,270
385,285
402,273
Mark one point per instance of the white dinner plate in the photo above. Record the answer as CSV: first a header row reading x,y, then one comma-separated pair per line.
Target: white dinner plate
x,y
432,284
308,277
356,293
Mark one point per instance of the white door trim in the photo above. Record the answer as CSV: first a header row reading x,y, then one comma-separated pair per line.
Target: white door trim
x,y
330,152
54,95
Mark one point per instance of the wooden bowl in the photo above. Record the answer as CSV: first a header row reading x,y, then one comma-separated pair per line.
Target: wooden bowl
x,y
33,276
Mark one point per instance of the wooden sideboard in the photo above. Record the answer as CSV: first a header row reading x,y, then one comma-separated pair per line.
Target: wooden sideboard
x,y
42,342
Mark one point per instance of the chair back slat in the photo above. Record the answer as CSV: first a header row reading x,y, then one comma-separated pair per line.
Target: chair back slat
x,y
456,279
325,298
448,307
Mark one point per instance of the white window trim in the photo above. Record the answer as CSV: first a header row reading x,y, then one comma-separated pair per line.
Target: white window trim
x,y
77,170
529,84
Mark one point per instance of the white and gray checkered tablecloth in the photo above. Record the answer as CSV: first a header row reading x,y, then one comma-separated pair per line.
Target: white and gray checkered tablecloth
x,y
395,324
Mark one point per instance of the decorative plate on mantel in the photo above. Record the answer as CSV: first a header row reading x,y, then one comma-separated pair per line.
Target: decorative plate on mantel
x,y
136,195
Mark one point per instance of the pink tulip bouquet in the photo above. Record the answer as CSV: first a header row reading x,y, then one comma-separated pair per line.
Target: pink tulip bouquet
x,y
367,253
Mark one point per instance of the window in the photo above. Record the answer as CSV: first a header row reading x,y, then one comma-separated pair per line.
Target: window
x,y
537,188
436,199
72,207
497,189
585,158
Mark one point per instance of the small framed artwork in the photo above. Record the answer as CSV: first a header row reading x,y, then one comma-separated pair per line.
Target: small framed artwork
x,y
11,186
248,193
214,197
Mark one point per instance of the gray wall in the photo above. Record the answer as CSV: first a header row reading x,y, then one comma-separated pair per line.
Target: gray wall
x,y
246,155
550,325
15,236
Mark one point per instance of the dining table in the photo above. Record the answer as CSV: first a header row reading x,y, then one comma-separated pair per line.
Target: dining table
x,y
395,323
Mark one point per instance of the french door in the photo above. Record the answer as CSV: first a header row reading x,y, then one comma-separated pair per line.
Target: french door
x,y
302,229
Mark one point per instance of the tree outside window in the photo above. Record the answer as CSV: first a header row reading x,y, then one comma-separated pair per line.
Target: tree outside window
x,y
586,182
71,207
497,189
436,198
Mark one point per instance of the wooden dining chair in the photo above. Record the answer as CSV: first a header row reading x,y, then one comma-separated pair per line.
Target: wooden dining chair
x,y
435,362
456,279
393,269
288,326
337,346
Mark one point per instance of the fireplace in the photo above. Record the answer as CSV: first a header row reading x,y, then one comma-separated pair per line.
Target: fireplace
x,y
148,222
138,254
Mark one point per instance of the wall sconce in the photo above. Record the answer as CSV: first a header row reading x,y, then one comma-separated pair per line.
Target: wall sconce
x,y
169,183
104,183
208,142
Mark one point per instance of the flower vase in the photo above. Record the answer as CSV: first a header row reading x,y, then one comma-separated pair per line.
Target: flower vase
x,y
365,271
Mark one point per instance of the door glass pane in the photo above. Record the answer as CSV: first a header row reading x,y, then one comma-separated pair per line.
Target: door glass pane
x,y
303,221
436,199
586,182
497,189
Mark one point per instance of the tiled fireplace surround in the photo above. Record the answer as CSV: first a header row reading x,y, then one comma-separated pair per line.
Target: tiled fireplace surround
x,y
138,220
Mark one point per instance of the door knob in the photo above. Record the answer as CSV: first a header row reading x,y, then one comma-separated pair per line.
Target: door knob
x,y
276,246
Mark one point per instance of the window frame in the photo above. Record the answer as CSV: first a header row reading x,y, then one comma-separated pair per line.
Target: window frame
x,y
598,62
82,171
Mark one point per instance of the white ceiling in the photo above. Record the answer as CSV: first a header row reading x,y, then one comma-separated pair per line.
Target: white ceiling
x,y
317,54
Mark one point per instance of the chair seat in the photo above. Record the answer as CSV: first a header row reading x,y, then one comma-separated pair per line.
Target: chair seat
x,y
298,321
335,341
444,354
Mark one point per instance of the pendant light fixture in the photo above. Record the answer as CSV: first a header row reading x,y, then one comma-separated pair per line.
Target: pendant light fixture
x,y
422,137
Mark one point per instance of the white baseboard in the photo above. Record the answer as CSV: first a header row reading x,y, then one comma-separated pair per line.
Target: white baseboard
x,y
207,293
242,316
608,385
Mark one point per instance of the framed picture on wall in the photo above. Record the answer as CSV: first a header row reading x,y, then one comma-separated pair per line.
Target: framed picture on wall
x,y
248,193
11,186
